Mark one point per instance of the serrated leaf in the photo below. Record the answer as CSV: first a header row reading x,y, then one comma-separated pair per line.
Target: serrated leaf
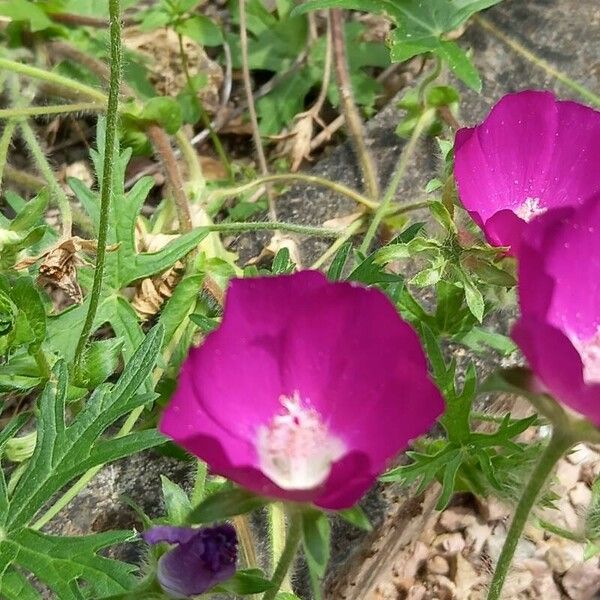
x,y
60,562
63,452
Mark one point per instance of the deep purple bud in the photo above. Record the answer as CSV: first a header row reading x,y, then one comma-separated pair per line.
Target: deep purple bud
x,y
201,559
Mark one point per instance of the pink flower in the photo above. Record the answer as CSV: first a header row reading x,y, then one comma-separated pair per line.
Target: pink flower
x,y
559,294
306,390
531,153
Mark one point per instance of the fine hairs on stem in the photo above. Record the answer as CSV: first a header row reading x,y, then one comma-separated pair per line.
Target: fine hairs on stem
x,y
349,109
40,160
397,177
112,116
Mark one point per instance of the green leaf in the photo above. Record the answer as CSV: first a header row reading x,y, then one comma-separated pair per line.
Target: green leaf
x,y
177,503
356,516
282,263
31,214
245,583
24,10
99,362
164,111
450,471
338,263
473,295
460,63
8,313
62,562
180,304
315,538
316,533
63,452
201,29
224,504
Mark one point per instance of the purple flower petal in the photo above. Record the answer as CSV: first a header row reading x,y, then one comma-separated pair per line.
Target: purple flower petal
x,y
559,294
530,154
306,391
201,559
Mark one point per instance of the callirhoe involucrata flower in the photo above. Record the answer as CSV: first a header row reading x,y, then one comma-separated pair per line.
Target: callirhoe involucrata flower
x,y
559,295
531,153
305,391
200,559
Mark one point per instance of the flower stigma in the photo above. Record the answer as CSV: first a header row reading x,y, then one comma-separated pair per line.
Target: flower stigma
x,y
529,209
296,450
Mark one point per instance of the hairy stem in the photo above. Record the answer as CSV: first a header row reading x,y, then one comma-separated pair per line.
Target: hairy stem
x,y
560,442
539,62
278,536
262,161
397,177
308,230
163,148
112,116
46,171
5,140
349,109
52,78
291,178
350,231
57,109
286,562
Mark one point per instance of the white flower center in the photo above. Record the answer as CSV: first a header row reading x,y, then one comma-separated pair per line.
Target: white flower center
x,y
589,350
295,449
529,209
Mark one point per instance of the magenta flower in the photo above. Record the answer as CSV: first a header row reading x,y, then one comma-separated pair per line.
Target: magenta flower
x,y
559,294
531,153
200,560
305,392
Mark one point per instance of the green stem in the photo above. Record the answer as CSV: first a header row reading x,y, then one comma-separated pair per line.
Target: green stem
x,y
292,178
112,116
273,225
348,233
560,442
294,535
5,140
46,170
539,62
390,192
57,109
429,79
278,538
53,78
188,152
203,114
